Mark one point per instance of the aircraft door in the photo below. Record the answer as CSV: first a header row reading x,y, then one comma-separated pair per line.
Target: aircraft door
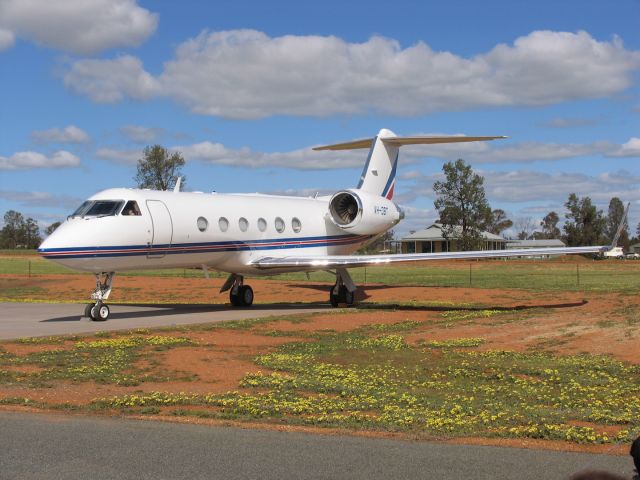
x,y
162,229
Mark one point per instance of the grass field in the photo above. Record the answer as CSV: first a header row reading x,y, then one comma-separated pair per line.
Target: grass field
x,y
564,369
568,273
374,377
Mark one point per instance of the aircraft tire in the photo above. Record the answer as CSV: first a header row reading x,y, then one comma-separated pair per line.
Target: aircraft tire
x,y
246,296
100,312
334,299
87,310
234,298
334,296
348,297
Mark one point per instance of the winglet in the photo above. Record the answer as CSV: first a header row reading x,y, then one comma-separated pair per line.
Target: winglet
x,y
176,189
614,243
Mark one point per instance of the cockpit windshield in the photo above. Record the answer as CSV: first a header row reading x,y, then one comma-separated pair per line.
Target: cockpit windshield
x,y
81,209
98,208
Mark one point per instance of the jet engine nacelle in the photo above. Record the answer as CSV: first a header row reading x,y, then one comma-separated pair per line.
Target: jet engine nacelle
x,y
363,213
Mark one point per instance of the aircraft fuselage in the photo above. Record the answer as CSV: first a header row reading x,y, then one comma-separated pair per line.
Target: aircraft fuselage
x,y
182,229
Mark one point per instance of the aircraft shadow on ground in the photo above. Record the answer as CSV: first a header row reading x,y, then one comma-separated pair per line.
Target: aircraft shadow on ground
x,y
449,308
161,310
363,296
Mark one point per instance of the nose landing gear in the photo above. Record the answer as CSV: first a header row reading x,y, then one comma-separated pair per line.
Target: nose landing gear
x,y
99,311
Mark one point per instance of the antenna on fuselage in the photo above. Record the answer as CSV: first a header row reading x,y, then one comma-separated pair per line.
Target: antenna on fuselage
x,y
176,189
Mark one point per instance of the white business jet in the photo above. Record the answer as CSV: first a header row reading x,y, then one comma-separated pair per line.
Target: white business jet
x,y
248,234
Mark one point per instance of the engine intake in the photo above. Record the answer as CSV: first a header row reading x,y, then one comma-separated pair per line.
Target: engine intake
x,y
345,207
362,213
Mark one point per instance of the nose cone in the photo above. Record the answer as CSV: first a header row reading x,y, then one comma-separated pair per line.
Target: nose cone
x,y
60,245
52,242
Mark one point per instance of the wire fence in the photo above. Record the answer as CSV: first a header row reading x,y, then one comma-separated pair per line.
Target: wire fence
x,y
605,275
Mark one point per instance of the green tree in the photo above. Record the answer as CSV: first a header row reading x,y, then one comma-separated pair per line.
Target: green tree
x,y
13,231
159,169
549,226
614,217
51,228
497,222
462,204
32,238
19,232
585,223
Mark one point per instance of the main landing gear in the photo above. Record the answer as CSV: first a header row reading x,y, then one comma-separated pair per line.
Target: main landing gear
x,y
240,295
344,290
99,311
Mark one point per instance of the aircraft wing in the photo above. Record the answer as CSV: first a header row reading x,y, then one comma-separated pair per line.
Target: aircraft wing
x,y
324,262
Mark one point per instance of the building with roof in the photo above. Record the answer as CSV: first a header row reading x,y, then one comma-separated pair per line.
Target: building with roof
x,y
431,240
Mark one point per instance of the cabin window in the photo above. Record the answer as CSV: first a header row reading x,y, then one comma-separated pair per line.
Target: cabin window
x,y
262,224
243,223
131,208
202,223
103,208
223,223
279,225
296,225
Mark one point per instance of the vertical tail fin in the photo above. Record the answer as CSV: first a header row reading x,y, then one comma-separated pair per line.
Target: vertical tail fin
x,y
379,173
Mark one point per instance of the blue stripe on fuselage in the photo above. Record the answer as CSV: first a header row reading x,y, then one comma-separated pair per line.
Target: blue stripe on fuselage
x,y
189,248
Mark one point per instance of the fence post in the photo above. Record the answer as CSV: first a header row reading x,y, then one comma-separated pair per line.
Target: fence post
x,y
470,274
365,274
578,273
29,268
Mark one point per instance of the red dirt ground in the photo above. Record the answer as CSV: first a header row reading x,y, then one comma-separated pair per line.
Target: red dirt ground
x,y
563,323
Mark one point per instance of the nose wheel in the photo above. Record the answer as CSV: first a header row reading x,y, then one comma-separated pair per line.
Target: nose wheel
x,y
99,311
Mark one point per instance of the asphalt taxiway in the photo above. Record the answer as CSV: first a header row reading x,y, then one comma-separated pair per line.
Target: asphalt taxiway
x,y
45,446
43,319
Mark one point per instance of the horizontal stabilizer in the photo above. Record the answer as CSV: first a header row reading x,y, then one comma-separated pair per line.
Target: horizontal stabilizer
x,y
355,144
422,140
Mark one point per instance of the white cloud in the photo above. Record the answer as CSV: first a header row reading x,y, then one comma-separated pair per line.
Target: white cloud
x,y
7,39
537,151
302,159
69,134
140,134
40,199
109,81
308,159
30,160
119,156
629,149
80,27
247,74
520,152
521,186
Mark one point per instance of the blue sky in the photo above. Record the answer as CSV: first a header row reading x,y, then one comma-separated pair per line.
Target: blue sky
x,y
245,89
